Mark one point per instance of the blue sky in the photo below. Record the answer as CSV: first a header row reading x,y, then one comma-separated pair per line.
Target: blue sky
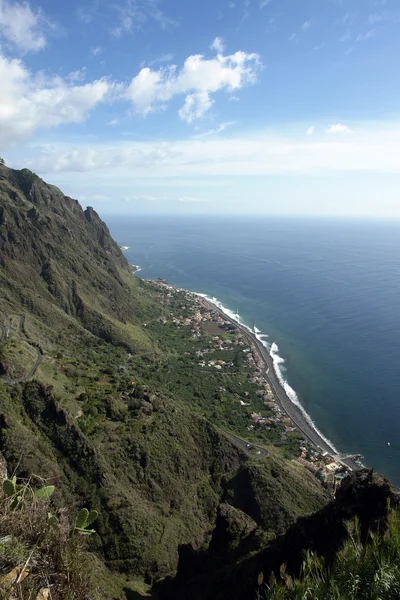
x,y
271,106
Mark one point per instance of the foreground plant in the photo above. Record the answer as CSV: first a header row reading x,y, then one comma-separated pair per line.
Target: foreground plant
x,y
361,571
41,555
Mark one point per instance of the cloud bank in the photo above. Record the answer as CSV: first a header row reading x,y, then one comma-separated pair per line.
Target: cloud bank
x,y
369,149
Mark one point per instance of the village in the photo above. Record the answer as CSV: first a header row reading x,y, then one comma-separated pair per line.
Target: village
x,y
201,318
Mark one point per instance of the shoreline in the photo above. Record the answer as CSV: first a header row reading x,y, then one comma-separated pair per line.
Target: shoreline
x,y
299,419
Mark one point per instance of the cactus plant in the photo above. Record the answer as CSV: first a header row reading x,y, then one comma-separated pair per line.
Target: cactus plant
x,y
84,519
10,487
15,491
44,493
11,490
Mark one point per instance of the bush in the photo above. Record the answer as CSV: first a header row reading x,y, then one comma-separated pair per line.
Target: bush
x,y
41,555
360,572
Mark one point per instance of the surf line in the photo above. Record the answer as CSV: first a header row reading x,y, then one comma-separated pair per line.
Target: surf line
x,y
277,361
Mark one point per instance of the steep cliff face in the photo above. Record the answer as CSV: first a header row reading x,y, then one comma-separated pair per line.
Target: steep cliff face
x,y
51,251
42,224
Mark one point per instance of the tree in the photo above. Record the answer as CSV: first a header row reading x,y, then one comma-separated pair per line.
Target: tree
x,y
2,161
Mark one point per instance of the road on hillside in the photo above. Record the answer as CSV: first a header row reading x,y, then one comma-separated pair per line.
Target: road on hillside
x,y
252,450
39,352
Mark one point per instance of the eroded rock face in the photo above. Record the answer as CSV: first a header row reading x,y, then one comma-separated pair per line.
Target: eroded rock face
x,y
51,248
364,495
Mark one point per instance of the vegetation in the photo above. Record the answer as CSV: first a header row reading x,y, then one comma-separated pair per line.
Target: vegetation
x,y
361,571
40,554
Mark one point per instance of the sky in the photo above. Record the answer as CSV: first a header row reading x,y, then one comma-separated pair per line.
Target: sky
x,y
206,106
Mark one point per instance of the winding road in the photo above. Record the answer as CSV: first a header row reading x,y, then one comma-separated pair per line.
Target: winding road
x,y
39,358
252,450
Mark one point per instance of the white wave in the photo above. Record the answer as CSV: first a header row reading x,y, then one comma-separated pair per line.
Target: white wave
x,y
277,360
227,311
123,248
138,268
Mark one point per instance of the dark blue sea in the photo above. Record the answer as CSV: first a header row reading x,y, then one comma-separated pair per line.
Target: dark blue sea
x,y
326,292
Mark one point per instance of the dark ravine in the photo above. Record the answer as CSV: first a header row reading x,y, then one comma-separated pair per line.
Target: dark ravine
x,y
222,574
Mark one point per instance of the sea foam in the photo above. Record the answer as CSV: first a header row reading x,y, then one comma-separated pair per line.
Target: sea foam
x,y
278,362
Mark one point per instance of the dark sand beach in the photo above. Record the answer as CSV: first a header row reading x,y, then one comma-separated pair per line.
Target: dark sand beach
x,y
297,416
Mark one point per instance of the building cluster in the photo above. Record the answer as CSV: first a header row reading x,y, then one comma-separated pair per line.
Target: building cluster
x,y
321,464
196,313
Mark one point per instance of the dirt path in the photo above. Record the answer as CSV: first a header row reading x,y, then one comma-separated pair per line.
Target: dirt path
x,y
39,358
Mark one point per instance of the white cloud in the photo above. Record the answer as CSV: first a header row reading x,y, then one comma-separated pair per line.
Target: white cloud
x,y
264,3
159,60
29,102
370,149
218,45
76,76
191,199
113,123
197,80
22,27
338,128
215,131
310,130
195,107
86,14
133,14
365,36
292,37
96,50
306,25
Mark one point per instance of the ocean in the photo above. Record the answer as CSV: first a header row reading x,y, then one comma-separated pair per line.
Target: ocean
x,y
324,294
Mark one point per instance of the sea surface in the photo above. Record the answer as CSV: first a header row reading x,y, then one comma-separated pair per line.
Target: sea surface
x,y
325,292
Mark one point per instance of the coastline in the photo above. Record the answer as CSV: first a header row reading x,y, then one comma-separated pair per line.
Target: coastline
x,y
301,420
296,414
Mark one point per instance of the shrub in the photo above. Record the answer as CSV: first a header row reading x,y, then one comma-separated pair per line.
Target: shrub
x,y
41,555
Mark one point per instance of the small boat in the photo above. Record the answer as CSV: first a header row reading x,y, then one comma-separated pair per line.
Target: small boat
x,y
388,443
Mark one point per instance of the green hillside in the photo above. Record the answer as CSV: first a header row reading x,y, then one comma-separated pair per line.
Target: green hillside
x,y
86,399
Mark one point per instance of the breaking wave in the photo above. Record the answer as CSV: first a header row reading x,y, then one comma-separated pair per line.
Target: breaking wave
x,y
278,361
